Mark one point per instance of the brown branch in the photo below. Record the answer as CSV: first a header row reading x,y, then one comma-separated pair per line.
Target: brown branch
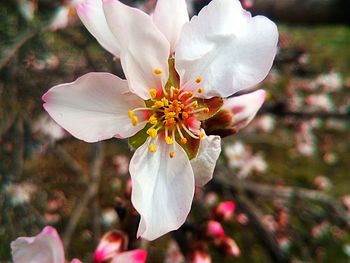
x,y
339,215
90,193
281,110
10,52
267,239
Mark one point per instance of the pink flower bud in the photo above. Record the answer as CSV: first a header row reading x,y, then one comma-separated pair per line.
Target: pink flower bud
x,y
224,211
110,245
215,230
229,247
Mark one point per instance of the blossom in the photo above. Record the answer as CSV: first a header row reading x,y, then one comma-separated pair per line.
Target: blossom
x,y
112,247
64,15
42,248
46,247
177,74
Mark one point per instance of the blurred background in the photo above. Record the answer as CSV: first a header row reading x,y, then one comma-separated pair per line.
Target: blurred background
x,y
284,181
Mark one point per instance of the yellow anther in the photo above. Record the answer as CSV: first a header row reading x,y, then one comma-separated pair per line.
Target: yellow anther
x,y
153,120
200,90
165,101
169,140
206,110
199,79
152,148
201,135
152,132
157,71
184,115
183,140
159,104
170,122
134,120
171,154
153,93
131,114
171,114
195,104
176,91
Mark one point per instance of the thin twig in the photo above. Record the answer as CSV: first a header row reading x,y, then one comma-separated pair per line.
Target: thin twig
x,y
91,191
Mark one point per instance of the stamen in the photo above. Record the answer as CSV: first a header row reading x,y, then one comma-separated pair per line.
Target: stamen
x,y
206,110
192,104
153,93
153,120
169,140
185,115
130,114
152,148
159,104
200,90
199,79
152,132
157,71
185,93
189,132
183,139
172,154
165,101
134,120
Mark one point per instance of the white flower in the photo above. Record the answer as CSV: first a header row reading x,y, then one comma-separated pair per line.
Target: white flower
x,y
177,73
42,248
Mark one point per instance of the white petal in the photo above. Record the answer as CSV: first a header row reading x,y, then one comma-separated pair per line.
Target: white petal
x,y
162,188
92,15
244,107
133,256
170,16
228,48
60,19
143,47
204,163
42,248
94,107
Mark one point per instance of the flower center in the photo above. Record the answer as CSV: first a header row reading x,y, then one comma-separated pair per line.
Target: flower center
x,y
172,115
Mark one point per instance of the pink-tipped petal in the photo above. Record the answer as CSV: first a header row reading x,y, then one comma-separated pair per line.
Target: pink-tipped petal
x,y
227,48
162,188
111,244
144,50
244,107
91,14
94,107
133,256
42,248
171,25
204,163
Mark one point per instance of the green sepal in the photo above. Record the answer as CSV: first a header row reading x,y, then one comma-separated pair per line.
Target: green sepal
x,y
139,138
191,147
174,78
214,105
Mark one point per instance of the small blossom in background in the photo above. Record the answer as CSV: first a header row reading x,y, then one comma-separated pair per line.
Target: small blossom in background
x,y
46,247
121,164
173,253
242,160
20,193
109,217
322,183
46,126
65,15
